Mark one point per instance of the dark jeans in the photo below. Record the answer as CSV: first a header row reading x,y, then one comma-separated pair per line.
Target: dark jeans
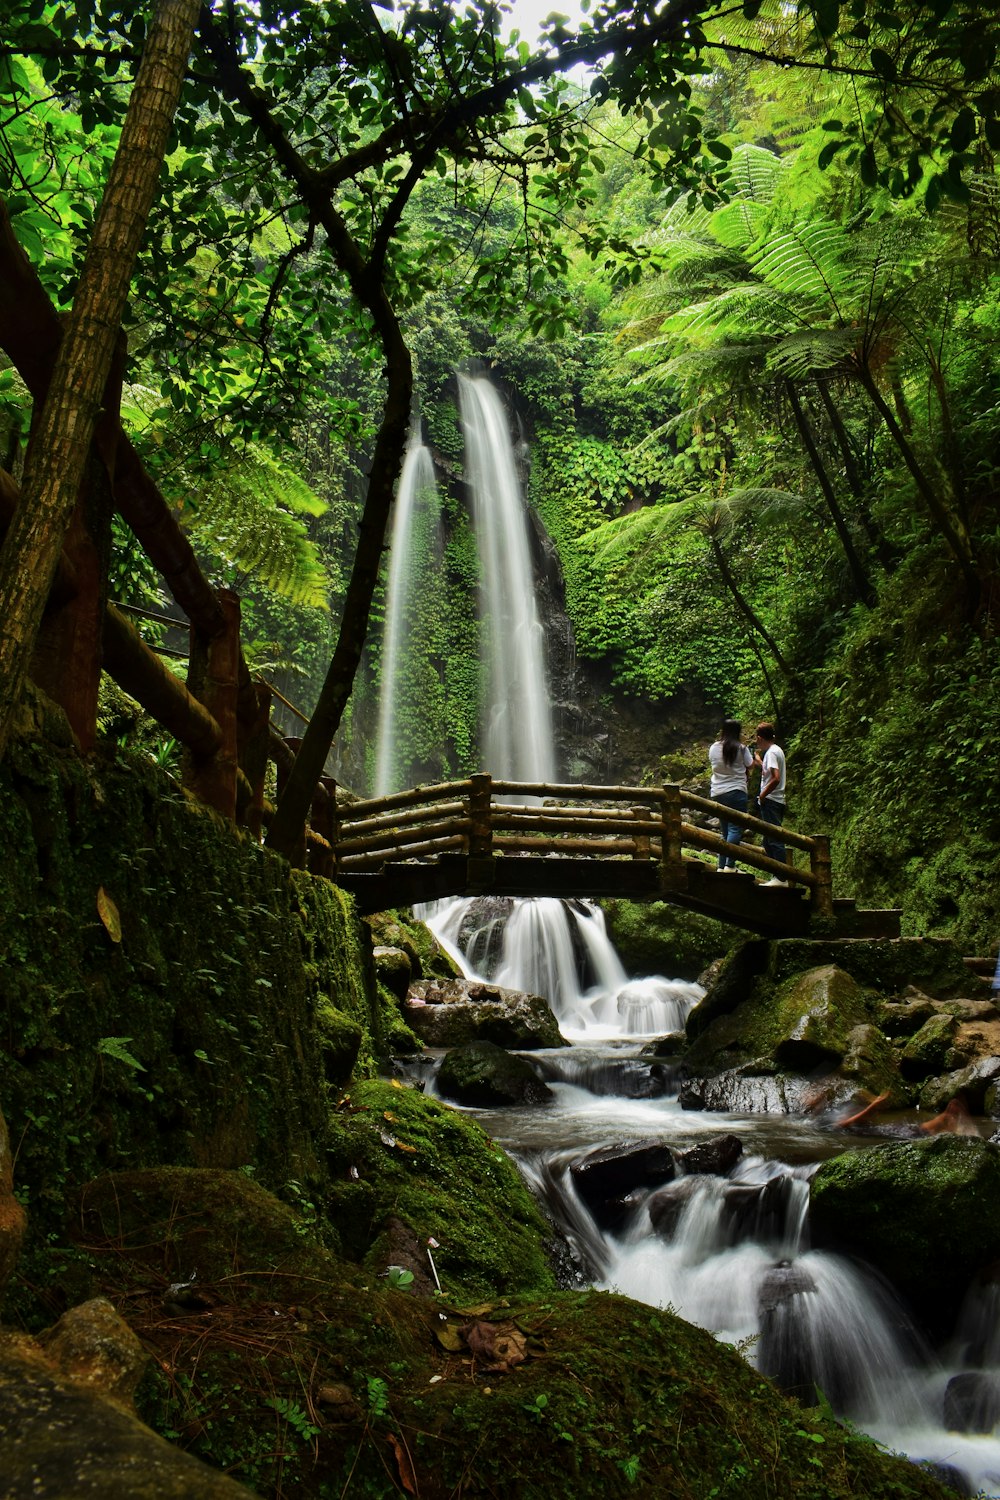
x,y
773,813
731,832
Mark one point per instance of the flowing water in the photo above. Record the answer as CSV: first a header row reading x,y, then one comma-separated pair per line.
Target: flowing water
x,y
729,1249
414,549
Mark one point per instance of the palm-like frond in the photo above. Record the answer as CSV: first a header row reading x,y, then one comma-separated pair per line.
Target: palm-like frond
x,y
245,513
809,351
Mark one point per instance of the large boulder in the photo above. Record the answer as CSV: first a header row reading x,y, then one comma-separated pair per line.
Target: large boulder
x,y
928,1049
66,1427
926,1213
451,1012
608,1178
481,1074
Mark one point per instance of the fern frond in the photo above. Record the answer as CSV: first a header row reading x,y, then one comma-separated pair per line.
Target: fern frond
x,y
811,350
807,262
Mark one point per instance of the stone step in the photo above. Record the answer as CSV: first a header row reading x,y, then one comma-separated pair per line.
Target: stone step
x,y
984,966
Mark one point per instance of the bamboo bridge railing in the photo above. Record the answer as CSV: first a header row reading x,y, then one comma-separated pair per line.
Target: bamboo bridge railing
x,y
484,820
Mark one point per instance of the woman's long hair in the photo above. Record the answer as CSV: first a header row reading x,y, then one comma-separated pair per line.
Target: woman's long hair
x,y
731,746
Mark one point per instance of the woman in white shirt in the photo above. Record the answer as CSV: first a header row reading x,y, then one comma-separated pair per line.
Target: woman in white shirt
x,y
730,761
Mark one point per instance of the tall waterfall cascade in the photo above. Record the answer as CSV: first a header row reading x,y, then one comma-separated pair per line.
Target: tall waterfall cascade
x,y
412,546
517,743
553,948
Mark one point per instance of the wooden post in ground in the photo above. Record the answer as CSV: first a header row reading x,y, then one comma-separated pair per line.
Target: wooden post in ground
x,y
297,857
322,818
253,737
672,875
213,677
820,865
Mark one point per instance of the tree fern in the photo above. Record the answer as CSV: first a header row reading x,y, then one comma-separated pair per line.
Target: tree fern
x,y
249,514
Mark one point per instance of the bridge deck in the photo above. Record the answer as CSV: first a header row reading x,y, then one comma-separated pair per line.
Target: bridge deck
x,y
503,838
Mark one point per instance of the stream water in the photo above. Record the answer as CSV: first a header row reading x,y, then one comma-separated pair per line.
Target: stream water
x,y
727,1249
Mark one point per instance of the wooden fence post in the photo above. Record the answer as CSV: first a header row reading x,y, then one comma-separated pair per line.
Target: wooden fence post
x,y
672,873
322,820
253,758
213,677
821,867
480,862
298,854
641,840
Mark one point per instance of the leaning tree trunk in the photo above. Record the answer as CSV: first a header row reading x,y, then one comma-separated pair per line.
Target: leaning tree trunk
x,y
746,609
952,530
862,583
61,441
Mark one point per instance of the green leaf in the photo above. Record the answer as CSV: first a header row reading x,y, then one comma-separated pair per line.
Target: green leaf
x,y
963,129
883,64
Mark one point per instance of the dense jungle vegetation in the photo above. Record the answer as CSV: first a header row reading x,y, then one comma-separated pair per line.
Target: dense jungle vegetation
x,y
738,282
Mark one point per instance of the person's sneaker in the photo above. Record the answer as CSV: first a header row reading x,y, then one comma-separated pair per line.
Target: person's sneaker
x,y
730,870
776,881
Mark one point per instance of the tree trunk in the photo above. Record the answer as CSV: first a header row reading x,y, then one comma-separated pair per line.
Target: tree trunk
x,y
61,442
953,532
862,583
753,620
296,797
873,531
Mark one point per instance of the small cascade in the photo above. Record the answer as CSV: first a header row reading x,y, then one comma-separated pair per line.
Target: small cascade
x,y
414,550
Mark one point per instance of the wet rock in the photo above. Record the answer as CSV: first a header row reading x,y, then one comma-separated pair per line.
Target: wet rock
x,y
716,1157
394,969
92,1346
60,1438
481,1074
972,1402
756,1211
782,1353
742,1091
671,1045
978,1083
606,1178
450,1012
816,1013
902,1018
926,1213
947,1474
666,1205
928,1048
871,1062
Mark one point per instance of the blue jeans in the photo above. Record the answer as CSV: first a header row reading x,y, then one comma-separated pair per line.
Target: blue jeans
x,y
773,813
731,832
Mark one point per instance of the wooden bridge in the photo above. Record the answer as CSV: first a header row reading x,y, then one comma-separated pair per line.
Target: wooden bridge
x,y
479,836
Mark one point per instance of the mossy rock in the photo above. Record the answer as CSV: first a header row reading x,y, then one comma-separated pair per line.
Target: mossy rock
x,y
799,1025
927,1050
653,937
925,1213
481,1075
396,1153
400,929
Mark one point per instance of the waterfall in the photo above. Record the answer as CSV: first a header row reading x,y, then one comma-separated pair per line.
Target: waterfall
x,y
517,743
414,530
557,949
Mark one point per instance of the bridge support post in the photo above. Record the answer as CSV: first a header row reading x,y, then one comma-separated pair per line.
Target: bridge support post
x,y
672,874
480,862
323,818
213,677
253,742
297,857
820,865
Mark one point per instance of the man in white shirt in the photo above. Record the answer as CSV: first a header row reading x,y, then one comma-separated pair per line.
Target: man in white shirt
x,y
771,797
